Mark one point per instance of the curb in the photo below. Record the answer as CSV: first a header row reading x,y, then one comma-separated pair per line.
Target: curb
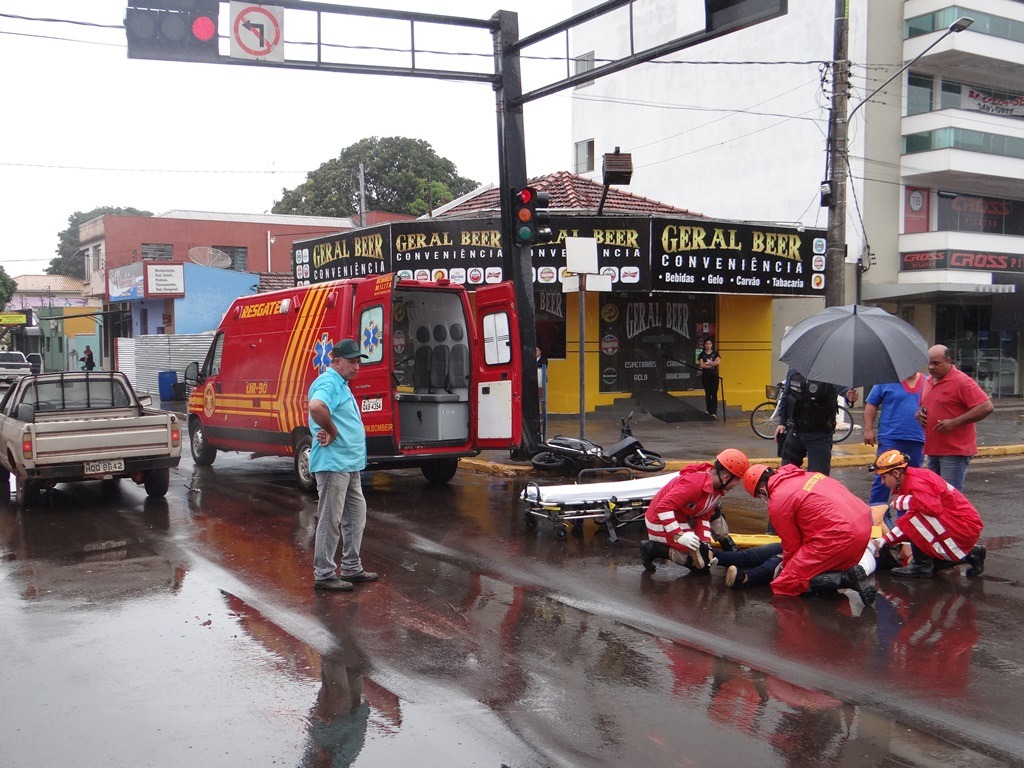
x,y
861,459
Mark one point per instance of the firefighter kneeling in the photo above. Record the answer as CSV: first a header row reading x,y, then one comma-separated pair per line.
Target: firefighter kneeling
x,y
941,525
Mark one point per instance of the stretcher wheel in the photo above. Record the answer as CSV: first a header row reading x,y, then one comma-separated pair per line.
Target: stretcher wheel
x,y
577,529
560,531
531,521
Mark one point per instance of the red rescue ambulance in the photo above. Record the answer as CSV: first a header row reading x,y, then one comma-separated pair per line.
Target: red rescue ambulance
x,y
441,380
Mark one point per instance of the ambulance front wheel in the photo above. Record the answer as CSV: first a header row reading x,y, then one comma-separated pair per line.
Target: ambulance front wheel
x,y
305,478
203,454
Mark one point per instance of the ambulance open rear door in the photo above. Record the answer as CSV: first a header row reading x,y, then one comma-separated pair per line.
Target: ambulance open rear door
x,y
498,369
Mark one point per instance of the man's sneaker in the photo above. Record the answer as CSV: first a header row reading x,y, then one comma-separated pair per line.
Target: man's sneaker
x,y
332,584
362,576
735,578
976,561
647,554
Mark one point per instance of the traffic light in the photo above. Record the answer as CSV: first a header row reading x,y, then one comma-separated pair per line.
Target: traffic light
x,y
531,221
542,219
172,30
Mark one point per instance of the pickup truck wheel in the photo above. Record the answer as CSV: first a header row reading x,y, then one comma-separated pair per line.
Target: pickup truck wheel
x,y
157,482
439,471
26,491
303,476
202,453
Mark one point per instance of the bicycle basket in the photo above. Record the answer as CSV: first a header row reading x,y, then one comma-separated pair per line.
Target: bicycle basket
x,y
771,392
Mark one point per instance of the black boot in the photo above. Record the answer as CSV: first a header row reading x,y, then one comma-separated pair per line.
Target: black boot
x,y
826,583
856,578
976,561
727,544
921,566
651,551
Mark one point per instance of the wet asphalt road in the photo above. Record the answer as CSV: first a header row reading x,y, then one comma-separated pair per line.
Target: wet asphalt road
x,y
156,633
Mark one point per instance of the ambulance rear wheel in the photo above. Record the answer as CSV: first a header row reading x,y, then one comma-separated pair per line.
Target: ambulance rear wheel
x,y
440,470
203,454
303,476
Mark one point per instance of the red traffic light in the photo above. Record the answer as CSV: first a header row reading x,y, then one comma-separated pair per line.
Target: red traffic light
x,y
525,195
204,28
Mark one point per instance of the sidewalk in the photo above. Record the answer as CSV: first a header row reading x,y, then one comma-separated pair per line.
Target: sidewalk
x,y
1001,434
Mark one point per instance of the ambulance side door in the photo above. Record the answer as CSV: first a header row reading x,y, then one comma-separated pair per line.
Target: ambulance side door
x,y
497,368
373,386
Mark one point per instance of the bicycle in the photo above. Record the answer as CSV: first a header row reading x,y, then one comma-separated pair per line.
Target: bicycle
x,y
765,417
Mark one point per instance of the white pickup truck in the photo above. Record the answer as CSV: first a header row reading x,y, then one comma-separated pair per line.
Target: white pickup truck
x,y
72,426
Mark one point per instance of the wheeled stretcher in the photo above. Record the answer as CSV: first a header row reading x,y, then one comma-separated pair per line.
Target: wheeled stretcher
x,y
613,504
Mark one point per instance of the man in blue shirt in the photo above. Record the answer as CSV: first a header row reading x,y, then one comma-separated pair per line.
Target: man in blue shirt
x,y
337,456
897,426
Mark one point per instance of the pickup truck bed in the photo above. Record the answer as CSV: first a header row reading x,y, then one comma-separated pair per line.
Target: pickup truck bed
x,y
67,427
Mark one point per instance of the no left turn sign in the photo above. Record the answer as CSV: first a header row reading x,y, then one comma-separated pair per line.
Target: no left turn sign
x,y
257,32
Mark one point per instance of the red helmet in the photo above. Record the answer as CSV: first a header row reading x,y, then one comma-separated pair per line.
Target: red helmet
x,y
753,476
733,461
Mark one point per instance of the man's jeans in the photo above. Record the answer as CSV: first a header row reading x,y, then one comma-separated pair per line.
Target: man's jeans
x,y
953,469
342,513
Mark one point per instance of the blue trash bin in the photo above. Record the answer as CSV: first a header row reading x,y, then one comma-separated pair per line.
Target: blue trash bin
x,y
166,381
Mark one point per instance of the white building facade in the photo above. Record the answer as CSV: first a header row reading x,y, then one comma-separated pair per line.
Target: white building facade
x,y
738,128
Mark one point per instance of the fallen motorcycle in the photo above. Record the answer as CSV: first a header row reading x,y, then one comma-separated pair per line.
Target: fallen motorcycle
x,y
574,454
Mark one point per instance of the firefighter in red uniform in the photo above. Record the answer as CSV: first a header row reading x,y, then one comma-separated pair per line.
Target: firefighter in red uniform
x,y
941,525
825,531
687,512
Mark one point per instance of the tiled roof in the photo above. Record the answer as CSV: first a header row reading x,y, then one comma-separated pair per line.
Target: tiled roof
x,y
569,192
275,281
51,283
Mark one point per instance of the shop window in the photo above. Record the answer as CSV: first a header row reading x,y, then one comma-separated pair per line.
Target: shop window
x,y
157,252
584,156
550,319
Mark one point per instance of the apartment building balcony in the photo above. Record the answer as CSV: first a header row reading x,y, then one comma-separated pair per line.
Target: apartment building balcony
x,y
964,151
990,51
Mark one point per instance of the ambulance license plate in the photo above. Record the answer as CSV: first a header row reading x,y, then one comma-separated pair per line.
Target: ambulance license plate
x,y
104,467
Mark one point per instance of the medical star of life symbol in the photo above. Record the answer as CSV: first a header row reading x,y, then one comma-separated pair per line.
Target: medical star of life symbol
x,y
371,337
322,353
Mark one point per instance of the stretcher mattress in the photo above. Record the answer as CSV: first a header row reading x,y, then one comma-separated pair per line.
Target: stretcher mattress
x,y
597,494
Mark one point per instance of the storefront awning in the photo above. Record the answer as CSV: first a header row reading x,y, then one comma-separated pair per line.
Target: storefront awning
x,y
926,291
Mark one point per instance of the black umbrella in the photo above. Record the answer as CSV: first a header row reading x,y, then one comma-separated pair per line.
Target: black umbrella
x,y
854,346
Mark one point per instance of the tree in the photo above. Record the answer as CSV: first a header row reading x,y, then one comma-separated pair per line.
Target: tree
x,y
7,287
67,261
402,175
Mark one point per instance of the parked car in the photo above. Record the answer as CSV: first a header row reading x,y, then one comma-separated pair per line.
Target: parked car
x,y
35,360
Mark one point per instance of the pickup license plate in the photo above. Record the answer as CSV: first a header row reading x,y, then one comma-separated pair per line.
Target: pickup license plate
x,y
104,467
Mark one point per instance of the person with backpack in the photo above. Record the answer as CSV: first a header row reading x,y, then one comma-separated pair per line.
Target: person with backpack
x,y
807,418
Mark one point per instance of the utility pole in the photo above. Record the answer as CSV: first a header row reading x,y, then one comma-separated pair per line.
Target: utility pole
x,y
835,266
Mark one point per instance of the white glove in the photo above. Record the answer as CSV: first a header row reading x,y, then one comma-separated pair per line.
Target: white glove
x,y
688,539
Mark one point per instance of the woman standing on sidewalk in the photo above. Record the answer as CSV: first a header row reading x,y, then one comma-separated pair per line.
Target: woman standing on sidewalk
x,y
708,362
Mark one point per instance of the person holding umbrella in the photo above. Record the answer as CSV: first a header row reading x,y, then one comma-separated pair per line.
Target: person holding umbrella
x,y
951,403
941,525
807,419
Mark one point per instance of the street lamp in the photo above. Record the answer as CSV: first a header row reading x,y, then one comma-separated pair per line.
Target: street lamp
x,y
833,192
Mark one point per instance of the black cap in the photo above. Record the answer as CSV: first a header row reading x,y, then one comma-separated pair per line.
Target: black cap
x,y
348,349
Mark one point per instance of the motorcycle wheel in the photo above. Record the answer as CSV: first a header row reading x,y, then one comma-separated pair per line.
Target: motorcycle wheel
x,y
648,462
550,462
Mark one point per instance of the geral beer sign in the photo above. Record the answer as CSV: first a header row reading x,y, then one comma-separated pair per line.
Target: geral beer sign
x,y
916,261
638,255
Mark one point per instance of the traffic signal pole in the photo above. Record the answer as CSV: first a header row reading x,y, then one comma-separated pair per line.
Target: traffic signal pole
x,y
512,176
